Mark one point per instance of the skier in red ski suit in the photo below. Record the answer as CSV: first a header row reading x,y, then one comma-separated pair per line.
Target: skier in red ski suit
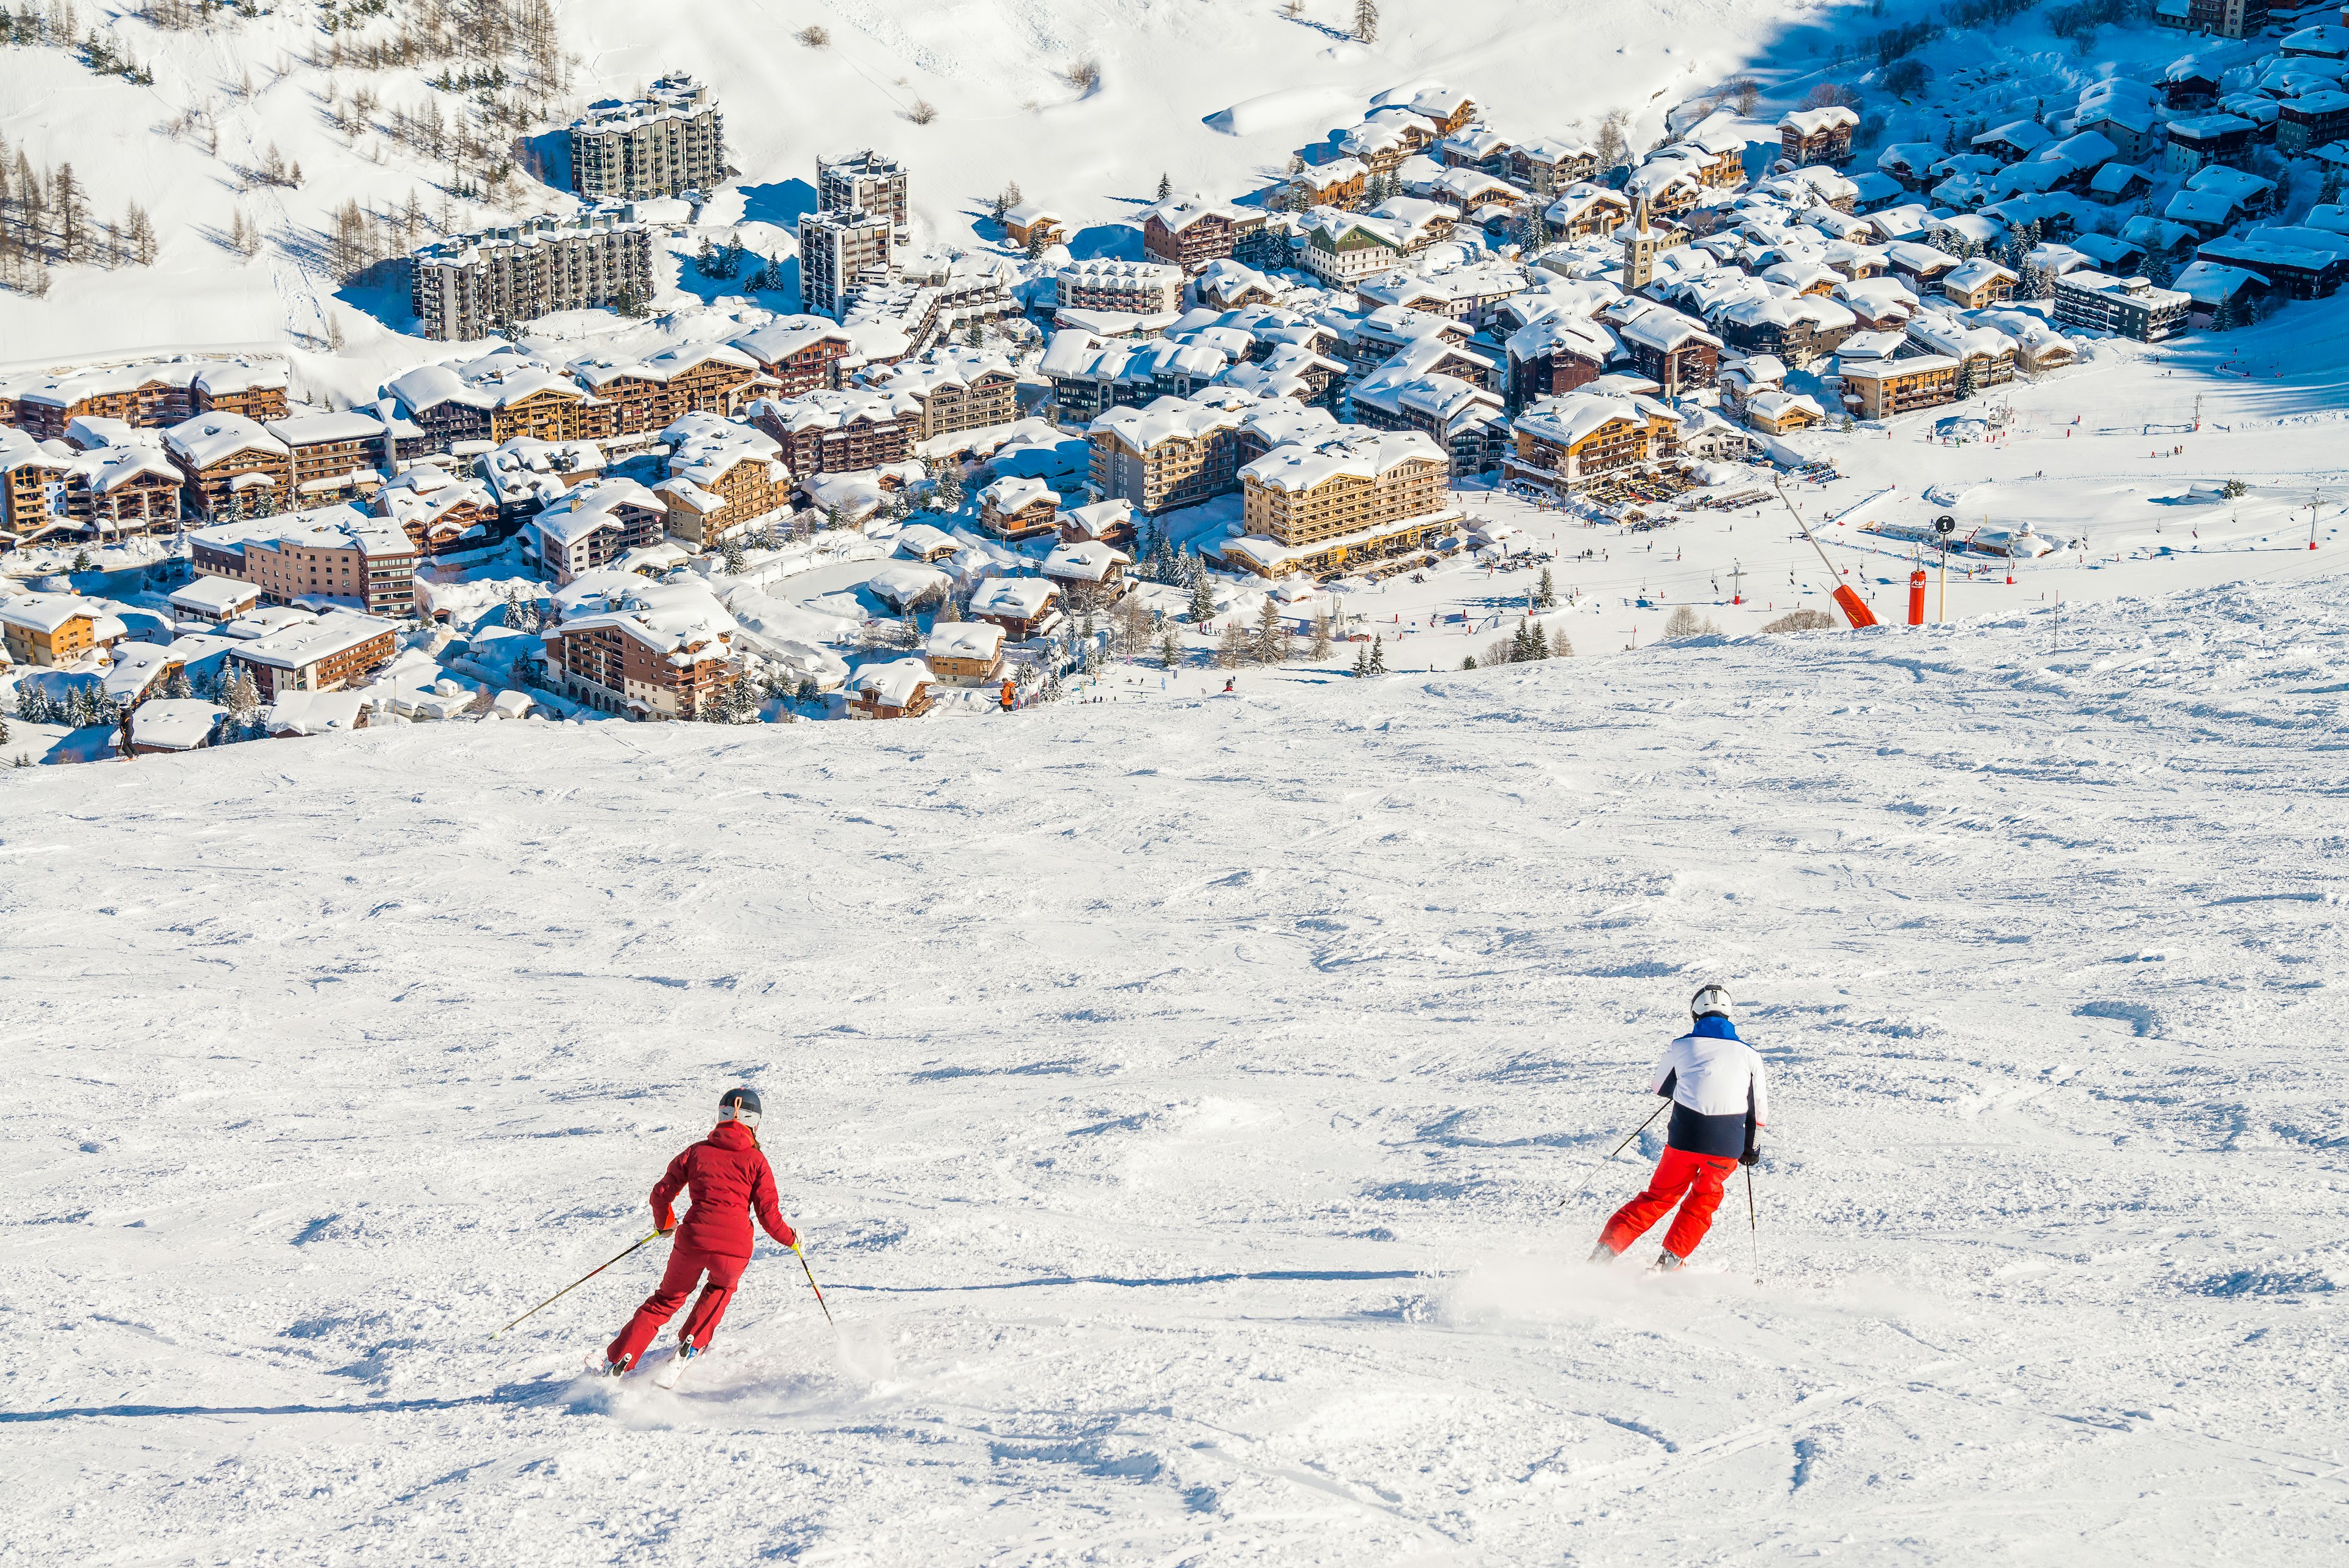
x,y
729,1177
1720,1106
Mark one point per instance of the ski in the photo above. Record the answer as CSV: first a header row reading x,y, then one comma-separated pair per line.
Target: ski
x,y
671,1374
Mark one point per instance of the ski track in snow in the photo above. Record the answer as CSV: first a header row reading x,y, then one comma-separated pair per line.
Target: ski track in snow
x,y
1179,1101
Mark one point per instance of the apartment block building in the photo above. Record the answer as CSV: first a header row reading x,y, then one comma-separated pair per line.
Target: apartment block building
x,y
1173,452
669,142
863,182
1141,288
650,650
838,251
1888,388
318,655
470,286
329,557
2124,306
1337,503
1563,440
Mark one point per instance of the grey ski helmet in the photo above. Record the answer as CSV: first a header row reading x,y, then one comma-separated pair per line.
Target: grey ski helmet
x,y
1710,1001
740,1105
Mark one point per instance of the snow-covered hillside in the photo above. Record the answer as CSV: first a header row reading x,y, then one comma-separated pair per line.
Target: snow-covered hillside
x,y
1179,1102
997,72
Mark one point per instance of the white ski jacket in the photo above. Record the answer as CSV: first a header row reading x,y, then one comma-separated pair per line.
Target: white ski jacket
x,y
1719,1099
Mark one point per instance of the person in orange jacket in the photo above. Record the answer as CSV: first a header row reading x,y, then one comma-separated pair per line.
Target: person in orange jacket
x,y
729,1177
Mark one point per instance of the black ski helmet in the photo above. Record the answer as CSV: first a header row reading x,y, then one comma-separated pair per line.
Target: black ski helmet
x,y
740,1105
1710,1001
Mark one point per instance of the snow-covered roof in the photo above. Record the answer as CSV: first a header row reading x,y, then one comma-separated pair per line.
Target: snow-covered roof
x,y
46,613
906,582
681,620
174,723
1573,417
209,439
977,640
316,712
304,643
787,335
1164,420
215,597
1087,561
1298,466
1807,122
1968,276
921,539
705,448
589,505
318,429
1017,492
664,366
893,684
1015,598
2027,136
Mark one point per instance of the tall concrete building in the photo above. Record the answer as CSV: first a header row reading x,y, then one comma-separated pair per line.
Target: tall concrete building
x,y
672,140
838,250
470,286
864,179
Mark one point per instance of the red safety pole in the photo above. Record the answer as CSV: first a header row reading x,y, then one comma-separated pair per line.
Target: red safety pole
x,y
1917,596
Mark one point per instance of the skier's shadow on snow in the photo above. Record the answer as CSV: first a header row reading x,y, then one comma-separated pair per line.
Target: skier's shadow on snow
x,y
1337,1274
511,1394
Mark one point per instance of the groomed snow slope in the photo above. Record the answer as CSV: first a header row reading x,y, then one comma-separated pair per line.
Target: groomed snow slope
x,y
1179,1103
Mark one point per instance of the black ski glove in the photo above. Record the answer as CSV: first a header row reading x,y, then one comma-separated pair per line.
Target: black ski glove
x,y
1752,1155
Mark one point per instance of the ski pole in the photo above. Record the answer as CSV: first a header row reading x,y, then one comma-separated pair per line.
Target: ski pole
x,y
584,1278
1612,1153
1754,1223
812,1284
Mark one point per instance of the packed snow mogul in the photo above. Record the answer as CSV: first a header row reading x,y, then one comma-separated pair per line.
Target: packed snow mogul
x,y
729,1177
1720,1106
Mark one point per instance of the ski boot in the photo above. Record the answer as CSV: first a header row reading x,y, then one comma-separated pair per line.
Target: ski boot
x,y
1602,1253
1667,1264
616,1368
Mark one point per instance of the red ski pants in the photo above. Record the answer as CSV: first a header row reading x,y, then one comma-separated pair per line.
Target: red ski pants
x,y
685,1265
1698,1175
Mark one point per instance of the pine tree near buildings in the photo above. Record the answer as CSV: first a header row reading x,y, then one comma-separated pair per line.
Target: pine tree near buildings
x,y
1378,656
1170,652
1362,662
1321,630
1545,591
1272,643
1165,187
1366,21
1202,608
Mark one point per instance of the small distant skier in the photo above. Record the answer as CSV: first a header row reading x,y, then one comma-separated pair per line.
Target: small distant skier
x,y
728,1176
1720,1106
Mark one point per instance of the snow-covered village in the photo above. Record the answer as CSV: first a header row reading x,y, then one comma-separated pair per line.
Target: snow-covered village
x,y
1437,578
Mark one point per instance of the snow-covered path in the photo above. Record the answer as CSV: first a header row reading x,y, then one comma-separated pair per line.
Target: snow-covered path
x,y
1179,1100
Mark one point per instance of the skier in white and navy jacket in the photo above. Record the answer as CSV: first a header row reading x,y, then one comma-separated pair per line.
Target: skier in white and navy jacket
x,y
1720,1106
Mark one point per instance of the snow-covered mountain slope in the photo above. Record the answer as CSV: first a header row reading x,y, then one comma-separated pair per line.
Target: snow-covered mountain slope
x,y
1179,1103
999,74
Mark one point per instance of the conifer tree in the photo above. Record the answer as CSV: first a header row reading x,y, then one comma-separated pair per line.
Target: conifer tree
x,y
1378,656
1170,652
1366,21
1545,591
1165,187
1272,643
1202,608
